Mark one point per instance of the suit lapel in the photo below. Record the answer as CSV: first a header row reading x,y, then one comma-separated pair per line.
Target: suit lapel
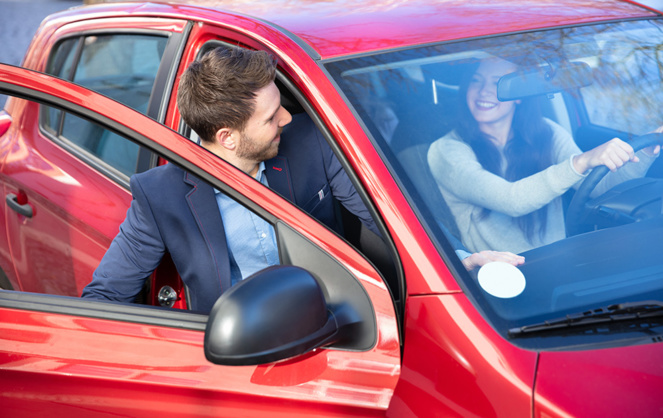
x,y
278,177
205,211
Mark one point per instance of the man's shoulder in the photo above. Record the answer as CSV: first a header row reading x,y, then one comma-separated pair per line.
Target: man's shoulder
x,y
159,173
159,179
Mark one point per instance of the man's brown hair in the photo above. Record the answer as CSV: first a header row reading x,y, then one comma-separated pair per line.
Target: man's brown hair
x,y
218,90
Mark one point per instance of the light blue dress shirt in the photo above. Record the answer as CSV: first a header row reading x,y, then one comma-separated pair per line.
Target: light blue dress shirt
x,y
251,240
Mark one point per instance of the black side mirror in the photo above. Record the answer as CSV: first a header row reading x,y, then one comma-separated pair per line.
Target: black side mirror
x,y
277,313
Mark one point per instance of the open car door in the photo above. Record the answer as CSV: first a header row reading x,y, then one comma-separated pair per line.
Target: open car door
x,y
65,355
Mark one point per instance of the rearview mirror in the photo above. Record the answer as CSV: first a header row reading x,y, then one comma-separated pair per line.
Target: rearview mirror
x,y
544,80
277,313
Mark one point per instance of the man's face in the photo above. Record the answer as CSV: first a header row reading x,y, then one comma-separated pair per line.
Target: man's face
x,y
260,138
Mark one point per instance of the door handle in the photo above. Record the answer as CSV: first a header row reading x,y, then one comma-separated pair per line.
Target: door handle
x,y
24,209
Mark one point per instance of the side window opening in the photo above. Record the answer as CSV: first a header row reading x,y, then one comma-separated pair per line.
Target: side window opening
x,y
349,226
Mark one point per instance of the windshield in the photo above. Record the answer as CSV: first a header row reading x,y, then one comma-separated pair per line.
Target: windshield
x,y
491,139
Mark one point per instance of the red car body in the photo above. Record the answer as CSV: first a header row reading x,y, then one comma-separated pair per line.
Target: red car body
x,y
435,352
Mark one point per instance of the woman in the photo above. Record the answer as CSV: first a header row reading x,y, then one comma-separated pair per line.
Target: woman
x,y
504,168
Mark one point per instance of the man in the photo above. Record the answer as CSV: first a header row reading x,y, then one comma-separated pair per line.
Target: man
x,y
229,98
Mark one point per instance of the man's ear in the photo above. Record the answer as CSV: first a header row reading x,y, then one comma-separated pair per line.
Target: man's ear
x,y
226,138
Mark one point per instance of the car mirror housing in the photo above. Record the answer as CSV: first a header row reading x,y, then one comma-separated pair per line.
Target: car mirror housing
x,y
544,80
277,313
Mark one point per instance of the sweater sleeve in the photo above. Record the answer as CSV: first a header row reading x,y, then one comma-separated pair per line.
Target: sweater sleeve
x,y
457,170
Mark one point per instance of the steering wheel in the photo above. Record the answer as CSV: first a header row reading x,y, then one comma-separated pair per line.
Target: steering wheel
x,y
578,209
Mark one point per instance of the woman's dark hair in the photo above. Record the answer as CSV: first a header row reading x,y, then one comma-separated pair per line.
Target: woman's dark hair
x,y
527,152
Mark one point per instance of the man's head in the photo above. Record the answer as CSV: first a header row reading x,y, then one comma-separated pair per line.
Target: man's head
x,y
229,98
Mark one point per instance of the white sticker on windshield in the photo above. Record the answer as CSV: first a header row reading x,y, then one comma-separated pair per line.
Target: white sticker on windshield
x,y
501,280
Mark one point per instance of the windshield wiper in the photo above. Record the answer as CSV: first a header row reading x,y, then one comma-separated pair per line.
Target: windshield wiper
x,y
619,312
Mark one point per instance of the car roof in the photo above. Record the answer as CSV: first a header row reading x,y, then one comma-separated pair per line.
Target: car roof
x,y
349,27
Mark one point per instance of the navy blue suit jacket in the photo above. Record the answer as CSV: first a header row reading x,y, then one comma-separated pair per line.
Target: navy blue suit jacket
x,y
174,211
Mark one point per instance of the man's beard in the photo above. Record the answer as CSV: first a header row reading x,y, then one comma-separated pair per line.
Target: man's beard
x,y
249,149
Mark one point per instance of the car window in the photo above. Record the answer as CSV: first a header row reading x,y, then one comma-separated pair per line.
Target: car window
x,y
122,67
626,91
570,90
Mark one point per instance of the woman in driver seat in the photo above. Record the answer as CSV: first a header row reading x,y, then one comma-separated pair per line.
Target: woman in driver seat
x,y
504,167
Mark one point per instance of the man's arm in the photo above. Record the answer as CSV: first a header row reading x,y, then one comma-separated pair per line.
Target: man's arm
x,y
132,256
342,188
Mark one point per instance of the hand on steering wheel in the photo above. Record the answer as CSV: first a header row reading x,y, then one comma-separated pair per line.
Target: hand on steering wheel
x,y
578,208
612,154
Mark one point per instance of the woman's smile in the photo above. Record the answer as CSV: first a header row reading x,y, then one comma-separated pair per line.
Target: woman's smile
x,y
483,105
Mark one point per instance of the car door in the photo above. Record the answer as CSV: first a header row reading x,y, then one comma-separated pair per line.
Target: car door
x,y
64,355
73,175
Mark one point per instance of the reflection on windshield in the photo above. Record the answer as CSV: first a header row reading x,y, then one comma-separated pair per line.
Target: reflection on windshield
x,y
491,139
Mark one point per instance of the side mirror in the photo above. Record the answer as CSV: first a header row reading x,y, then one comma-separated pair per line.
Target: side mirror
x,y
277,313
545,80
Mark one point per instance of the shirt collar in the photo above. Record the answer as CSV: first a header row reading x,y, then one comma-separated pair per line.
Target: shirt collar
x,y
261,172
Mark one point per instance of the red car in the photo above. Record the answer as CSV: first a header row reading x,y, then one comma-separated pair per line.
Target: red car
x,y
577,330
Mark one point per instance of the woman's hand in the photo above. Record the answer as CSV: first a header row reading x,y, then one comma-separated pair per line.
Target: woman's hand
x,y
484,257
613,154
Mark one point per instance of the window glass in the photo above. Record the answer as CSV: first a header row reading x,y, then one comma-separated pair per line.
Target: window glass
x,y
433,112
111,148
60,65
626,93
122,67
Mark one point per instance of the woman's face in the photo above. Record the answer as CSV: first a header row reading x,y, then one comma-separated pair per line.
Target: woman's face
x,y
482,94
